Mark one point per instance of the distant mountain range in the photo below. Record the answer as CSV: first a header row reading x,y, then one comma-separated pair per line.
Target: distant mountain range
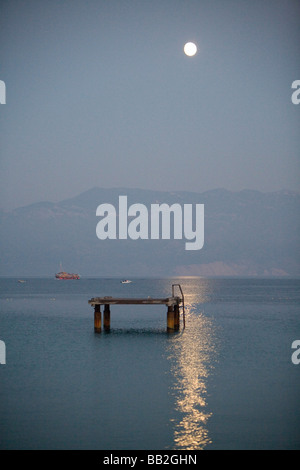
x,y
247,233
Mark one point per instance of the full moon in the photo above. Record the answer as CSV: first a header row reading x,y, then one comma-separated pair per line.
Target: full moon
x,y
190,49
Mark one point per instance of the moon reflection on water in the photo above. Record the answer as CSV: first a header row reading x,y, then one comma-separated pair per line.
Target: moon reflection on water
x,y
192,354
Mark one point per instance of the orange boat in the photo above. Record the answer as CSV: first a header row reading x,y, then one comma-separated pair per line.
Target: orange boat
x,y
64,275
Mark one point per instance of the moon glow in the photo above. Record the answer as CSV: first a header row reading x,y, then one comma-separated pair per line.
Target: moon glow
x,y
190,49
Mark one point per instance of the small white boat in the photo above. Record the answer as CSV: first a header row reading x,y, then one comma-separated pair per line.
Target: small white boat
x,y
126,281
21,281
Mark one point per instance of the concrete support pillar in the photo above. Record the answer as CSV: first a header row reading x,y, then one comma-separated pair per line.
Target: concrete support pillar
x,y
106,317
97,319
170,319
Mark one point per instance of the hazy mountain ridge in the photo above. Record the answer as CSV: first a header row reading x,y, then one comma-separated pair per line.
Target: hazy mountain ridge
x,y
247,233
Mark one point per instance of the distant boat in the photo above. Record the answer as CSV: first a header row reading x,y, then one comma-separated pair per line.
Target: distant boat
x,y
126,281
64,275
21,280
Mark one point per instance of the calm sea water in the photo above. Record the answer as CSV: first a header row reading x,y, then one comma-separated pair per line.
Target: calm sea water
x,y
224,382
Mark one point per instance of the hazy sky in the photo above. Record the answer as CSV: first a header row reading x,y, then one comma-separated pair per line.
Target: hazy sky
x,y
100,93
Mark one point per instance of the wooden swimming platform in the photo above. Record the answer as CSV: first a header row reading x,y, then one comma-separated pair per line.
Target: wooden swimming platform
x,y
173,303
